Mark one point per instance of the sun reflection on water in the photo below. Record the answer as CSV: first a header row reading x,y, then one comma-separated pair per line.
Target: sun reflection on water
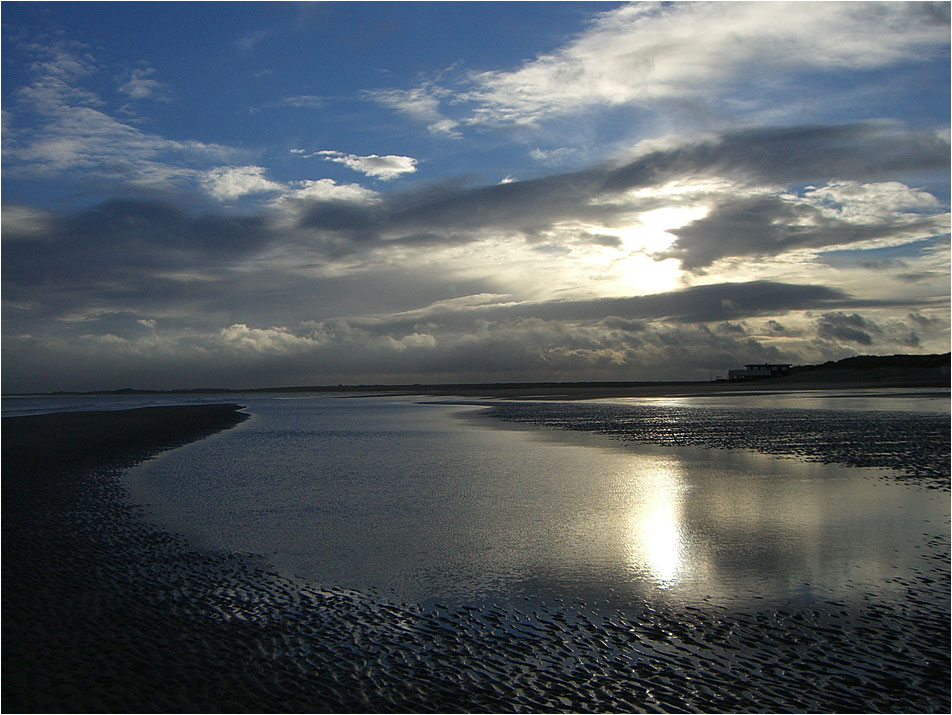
x,y
656,543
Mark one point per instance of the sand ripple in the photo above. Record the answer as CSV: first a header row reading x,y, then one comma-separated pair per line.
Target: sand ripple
x,y
913,446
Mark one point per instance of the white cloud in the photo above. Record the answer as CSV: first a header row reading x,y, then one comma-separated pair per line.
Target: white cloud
x,y
329,190
553,156
297,195
303,101
24,221
419,341
421,104
232,182
385,168
646,52
55,125
263,340
288,207
865,203
140,86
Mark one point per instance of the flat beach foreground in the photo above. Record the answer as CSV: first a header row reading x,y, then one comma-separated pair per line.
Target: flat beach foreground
x,y
102,612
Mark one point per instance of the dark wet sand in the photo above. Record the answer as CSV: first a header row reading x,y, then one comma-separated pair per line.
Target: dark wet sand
x,y
913,447
848,381
101,612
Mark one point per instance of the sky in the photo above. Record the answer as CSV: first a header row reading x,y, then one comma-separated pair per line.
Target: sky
x,y
274,194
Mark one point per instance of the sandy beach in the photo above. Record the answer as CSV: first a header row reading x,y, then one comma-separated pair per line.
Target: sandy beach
x,y
102,612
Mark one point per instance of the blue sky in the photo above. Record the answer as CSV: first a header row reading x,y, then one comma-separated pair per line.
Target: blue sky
x,y
250,194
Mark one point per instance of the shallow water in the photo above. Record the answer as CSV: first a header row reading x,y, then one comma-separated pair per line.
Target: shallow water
x,y
429,502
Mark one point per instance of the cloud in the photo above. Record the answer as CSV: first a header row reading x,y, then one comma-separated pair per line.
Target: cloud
x,y
249,41
386,168
555,156
114,248
268,340
480,337
599,214
55,125
724,176
231,182
325,190
642,53
303,101
227,183
787,155
866,202
24,222
769,225
847,328
716,303
329,352
924,321
139,85
421,104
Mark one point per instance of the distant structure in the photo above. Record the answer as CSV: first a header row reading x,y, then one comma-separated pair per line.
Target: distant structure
x,y
754,370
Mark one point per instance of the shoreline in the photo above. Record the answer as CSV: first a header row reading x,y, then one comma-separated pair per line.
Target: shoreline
x,y
880,377
849,381
102,612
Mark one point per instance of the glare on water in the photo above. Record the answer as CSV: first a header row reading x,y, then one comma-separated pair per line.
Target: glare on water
x,y
655,542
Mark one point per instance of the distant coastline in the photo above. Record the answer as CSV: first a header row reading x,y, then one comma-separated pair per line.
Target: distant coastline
x,y
855,373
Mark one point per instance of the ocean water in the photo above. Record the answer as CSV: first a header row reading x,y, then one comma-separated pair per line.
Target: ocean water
x,y
426,502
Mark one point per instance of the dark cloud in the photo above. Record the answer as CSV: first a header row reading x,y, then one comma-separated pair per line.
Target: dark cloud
x,y
910,341
917,277
698,304
153,232
731,329
628,326
924,321
851,328
787,155
456,213
453,214
110,240
147,288
779,329
523,349
769,226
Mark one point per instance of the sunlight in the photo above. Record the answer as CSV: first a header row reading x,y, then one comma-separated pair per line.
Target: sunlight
x,y
642,275
660,538
651,233
656,543
634,267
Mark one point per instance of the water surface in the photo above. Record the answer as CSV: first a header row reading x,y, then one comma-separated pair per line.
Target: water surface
x,y
425,502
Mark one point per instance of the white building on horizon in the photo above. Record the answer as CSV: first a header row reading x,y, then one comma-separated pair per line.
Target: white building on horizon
x,y
767,369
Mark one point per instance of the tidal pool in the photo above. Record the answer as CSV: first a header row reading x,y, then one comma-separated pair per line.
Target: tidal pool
x,y
435,503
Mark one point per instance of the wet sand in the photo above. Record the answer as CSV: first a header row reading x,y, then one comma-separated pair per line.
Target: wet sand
x,y
102,612
909,446
848,381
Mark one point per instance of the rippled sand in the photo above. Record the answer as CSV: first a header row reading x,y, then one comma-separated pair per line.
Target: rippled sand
x,y
912,446
103,613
